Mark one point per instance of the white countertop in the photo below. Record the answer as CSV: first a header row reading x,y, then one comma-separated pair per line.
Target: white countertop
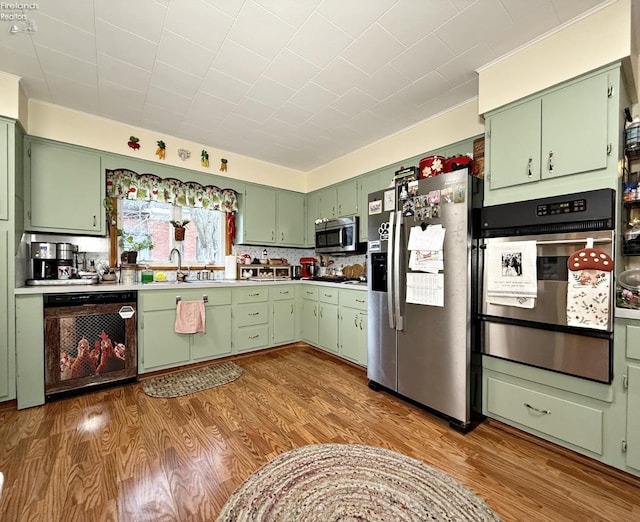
x,y
169,285
627,313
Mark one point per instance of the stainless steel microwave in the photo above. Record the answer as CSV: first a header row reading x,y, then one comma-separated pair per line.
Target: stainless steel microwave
x,y
337,236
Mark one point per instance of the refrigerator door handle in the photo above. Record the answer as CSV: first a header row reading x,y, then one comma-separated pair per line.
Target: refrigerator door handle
x,y
390,289
396,271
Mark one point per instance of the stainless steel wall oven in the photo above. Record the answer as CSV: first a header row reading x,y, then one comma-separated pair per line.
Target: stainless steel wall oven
x,y
540,335
90,341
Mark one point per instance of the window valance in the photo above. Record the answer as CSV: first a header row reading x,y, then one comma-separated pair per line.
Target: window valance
x,y
127,184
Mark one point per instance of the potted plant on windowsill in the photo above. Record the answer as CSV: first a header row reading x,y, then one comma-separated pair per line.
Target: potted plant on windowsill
x,y
130,247
179,229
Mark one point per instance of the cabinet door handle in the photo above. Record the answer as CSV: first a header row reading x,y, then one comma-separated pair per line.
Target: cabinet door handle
x,y
315,311
550,162
94,222
360,301
537,410
291,309
361,323
529,173
321,312
254,295
286,292
281,236
355,320
254,336
254,313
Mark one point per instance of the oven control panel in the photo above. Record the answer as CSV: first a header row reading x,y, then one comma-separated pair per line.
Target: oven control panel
x,y
562,207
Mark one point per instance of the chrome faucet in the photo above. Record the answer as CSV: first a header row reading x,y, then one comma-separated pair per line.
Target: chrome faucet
x,y
179,258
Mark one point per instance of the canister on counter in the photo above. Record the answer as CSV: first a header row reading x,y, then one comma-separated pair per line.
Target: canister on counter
x,y
128,274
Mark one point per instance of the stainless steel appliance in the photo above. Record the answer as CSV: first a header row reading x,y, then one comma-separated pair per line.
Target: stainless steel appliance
x,y
540,336
44,261
90,341
420,323
338,236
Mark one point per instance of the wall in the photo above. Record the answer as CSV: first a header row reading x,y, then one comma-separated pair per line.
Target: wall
x,y
59,123
9,95
596,40
456,124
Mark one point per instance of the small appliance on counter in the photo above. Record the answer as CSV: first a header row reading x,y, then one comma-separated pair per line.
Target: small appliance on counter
x,y
43,260
56,264
307,267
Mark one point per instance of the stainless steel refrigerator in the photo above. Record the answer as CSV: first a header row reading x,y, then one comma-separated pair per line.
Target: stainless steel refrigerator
x,y
421,349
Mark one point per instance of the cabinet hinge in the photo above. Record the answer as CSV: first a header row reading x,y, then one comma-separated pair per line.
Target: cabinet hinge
x,y
488,176
488,133
610,91
609,149
625,382
624,446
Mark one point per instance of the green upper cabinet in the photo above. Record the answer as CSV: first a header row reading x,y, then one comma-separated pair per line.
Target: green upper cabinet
x,y
327,202
272,217
574,128
570,129
64,189
290,212
514,138
259,215
338,200
312,213
347,198
4,171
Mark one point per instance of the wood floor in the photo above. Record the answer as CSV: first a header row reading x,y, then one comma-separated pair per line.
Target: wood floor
x,y
119,455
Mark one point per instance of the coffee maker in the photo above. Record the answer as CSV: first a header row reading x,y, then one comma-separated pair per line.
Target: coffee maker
x,y
308,267
44,261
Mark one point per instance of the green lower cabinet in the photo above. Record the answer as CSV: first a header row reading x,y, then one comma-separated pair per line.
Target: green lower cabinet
x,y
310,321
284,322
161,347
328,326
29,350
216,341
546,413
633,418
353,335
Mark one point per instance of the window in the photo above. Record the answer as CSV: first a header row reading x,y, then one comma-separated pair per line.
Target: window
x,y
204,241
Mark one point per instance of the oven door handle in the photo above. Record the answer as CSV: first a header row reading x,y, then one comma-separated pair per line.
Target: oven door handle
x,y
575,241
602,240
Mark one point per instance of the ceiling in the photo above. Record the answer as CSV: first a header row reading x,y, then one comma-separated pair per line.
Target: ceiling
x,y
297,83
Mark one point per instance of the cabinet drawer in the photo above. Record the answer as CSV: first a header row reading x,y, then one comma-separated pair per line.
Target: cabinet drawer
x,y
250,294
252,338
280,293
166,299
569,421
353,299
310,292
250,314
328,295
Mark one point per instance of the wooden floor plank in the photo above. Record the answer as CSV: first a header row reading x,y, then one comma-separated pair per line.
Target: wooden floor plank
x,y
119,455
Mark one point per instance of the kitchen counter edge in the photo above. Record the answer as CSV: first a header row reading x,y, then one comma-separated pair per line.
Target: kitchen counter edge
x,y
151,287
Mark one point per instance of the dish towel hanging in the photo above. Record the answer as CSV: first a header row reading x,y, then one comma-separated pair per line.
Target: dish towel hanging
x,y
512,273
190,317
588,288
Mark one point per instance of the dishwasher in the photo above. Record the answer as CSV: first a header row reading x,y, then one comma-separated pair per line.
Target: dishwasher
x,y
90,341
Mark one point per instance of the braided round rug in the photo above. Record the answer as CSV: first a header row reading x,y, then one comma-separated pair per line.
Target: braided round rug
x,y
351,482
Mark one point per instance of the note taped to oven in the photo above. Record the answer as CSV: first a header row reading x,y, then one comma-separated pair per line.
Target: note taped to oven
x,y
425,289
511,269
